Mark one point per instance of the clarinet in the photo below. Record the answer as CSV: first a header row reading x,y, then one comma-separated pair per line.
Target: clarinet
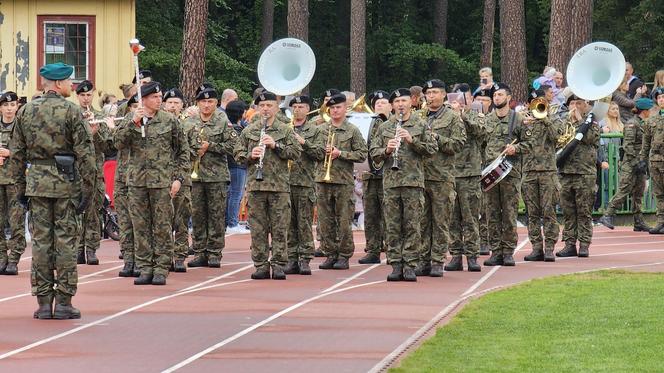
x,y
395,156
259,167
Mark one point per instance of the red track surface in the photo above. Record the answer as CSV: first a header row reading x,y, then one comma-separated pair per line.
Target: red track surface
x,y
332,321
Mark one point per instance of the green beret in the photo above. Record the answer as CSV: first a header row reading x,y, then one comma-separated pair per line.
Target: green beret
x,y
644,104
56,71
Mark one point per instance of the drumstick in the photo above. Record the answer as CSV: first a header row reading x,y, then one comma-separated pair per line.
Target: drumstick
x,y
504,151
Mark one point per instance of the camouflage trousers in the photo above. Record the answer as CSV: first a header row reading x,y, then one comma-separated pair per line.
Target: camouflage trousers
x,y
657,177
502,206
541,192
577,196
12,214
439,199
56,229
208,217
300,236
181,215
91,227
267,213
403,213
464,225
374,224
121,201
152,216
335,215
631,184
483,220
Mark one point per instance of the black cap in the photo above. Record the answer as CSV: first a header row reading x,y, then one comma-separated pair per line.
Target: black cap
x,y
433,83
336,99
84,86
142,75
150,88
8,96
304,99
206,93
202,87
499,86
265,96
330,92
173,93
378,95
400,93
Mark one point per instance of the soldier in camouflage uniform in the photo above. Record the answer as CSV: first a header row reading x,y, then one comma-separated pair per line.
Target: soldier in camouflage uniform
x,y
334,207
653,152
102,140
439,194
268,197
577,179
540,185
155,172
372,185
464,226
485,98
403,142
51,136
302,192
632,181
12,214
504,126
213,140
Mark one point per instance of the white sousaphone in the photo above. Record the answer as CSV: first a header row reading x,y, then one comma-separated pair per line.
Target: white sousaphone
x,y
286,67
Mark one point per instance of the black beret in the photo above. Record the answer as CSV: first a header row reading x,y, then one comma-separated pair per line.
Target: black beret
x,y
132,100
265,96
150,88
330,92
84,86
378,95
8,96
304,99
462,87
499,86
657,92
142,75
535,94
203,86
206,93
433,83
399,93
336,99
173,93
571,98
484,93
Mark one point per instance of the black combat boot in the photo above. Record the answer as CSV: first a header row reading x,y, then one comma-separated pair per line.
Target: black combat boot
x,y
121,256
304,267
397,272
64,310
261,274
159,279
143,279
436,270
3,265
292,267
456,264
11,269
485,249
567,251
198,261
179,266
45,310
537,255
659,229
80,258
319,254
423,269
508,260
341,263
370,258
640,225
214,262
548,254
127,270
328,263
92,257
583,250
496,259
278,273
473,266
409,274
607,221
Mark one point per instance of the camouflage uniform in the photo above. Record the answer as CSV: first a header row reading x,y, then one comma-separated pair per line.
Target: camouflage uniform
x,y
12,213
403,188
439,194
45,127
122,208
154,162
577,179
653,151
541,188
503,198
182,204
372,198
268,200
302,192
464,226
210,189
334,207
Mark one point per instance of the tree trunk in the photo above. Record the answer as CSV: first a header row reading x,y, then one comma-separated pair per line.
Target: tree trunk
x,y
560,50
358,10
298,19
513,47
486,59
440,22
268,23
192,63
582,24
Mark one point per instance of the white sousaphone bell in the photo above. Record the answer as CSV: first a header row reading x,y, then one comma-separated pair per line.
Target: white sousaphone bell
x,y
286,66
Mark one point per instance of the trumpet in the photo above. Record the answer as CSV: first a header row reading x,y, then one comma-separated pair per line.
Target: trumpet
x,y
327,163
395,155
197,163
261,144
539,108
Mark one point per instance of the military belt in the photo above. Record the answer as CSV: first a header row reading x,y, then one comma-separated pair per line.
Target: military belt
x,y
43,162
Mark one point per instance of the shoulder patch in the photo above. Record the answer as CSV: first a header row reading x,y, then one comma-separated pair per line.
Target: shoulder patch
x,y
233,133
529,133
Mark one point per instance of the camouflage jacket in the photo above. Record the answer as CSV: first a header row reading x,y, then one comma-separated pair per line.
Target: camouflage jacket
x,y
583,160
275,161
450,134
632,140
159,158
5,136
375,169
187,126
653,139
45,127
349,140
498,136
541,136
410,156
468,161
303,169
213,167
102,141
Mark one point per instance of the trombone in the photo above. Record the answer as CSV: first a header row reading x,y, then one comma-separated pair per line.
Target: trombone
x,y
327,163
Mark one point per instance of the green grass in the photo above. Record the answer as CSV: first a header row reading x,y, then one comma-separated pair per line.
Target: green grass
x,y
607,321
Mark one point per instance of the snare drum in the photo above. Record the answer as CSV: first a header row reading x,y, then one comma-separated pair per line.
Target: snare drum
x,y
496,171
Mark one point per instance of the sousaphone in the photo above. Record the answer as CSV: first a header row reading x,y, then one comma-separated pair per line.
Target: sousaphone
x,y
286,66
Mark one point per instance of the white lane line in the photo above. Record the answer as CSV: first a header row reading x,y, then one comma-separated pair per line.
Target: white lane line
x,y
628,243
581,260
216,278
262,323
25,258
101,264
351,278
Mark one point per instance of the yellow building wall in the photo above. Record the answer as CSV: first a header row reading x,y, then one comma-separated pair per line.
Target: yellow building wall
x,y
115,22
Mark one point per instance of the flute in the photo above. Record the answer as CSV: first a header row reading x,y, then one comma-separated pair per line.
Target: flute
x,y
97,121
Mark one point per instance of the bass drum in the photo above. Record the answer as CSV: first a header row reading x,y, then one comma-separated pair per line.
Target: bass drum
x,y
363,122
495,172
